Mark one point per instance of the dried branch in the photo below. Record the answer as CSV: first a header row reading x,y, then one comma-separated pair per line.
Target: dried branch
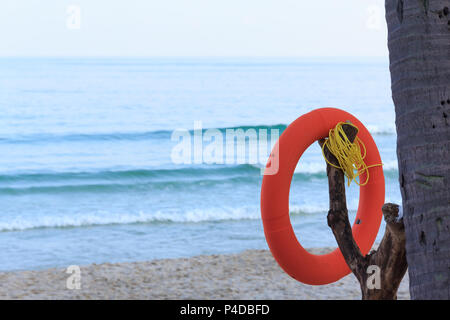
x,y
390,258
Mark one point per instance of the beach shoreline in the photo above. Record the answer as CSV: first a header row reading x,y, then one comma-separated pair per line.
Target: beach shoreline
x,y
251,274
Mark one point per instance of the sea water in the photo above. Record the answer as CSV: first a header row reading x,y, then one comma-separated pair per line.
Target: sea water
x,y
87,173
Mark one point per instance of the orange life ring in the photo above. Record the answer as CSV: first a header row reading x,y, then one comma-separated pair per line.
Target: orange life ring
x,y
286,249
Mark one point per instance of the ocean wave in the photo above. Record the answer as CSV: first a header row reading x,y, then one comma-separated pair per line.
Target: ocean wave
x,y
120,187
157,134
108,218
118,136
105,218
129,174
382,130
153,179
125,180
135,180
96,180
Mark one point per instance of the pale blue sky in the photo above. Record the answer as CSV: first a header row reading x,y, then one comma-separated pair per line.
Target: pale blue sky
x,y
193,28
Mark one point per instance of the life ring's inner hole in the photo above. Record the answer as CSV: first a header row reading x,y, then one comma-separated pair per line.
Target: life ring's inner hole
x,y
309,201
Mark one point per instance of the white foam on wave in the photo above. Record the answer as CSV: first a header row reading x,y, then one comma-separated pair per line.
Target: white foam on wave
x,y
311,167
106,218
307,209
390,165
170,216
385,129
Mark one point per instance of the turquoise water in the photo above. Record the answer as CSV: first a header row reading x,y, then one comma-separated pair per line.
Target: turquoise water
x,y
86,172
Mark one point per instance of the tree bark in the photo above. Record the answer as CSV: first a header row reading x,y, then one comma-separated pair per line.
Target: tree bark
x,y
389,260
419,52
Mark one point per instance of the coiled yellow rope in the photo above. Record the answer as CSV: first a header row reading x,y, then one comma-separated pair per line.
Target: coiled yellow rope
x,y
348,154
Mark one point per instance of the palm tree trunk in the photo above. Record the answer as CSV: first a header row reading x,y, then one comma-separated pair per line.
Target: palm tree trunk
x,y
419,52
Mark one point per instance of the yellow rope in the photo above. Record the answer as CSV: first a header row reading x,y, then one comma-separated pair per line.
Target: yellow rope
x,y
348,154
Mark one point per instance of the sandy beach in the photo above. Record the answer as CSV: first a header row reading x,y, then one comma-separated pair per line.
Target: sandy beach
x,y
251,274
